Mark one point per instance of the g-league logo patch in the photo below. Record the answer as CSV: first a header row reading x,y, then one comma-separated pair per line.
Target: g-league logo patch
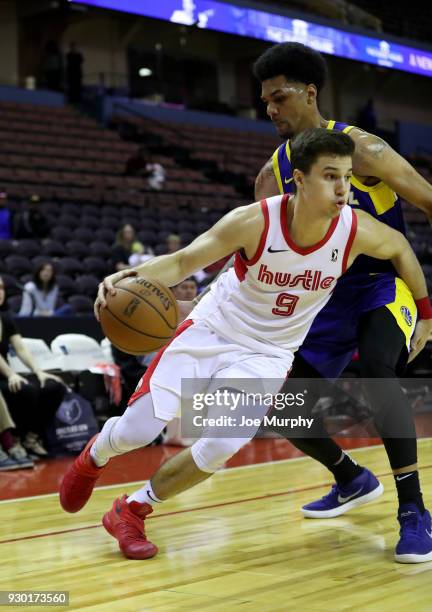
x,y
334,255
407,315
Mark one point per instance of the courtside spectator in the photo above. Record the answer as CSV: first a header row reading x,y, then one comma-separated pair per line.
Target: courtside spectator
x,y
41,296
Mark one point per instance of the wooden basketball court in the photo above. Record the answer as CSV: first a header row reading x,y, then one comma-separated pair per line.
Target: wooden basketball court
x,y
237,541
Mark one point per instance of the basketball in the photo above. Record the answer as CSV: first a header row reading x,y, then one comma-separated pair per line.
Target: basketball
x,y
141,317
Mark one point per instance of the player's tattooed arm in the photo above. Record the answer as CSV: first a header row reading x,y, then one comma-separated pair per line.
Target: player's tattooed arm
x,y
373,157
266,183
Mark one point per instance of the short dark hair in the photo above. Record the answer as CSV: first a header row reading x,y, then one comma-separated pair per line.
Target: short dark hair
x,y
295,61
311,144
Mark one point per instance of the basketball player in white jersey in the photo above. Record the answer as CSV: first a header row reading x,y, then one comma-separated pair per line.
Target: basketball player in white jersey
x,y
290,251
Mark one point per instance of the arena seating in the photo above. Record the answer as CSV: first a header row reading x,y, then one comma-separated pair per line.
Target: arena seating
x,y
77,168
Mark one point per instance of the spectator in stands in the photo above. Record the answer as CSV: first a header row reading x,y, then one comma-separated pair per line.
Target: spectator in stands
x,y
140,254
41,295
52,67
32,405
140,164
173,243
123,247
5,218
74,74
30,222
187,290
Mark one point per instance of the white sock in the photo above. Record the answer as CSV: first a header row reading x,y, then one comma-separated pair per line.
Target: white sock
x,y
102,450
145,495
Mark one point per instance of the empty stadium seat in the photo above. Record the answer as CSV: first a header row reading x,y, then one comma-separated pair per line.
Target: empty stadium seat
x,y
77,352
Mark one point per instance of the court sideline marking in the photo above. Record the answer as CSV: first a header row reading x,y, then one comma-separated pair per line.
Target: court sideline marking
x,y
199,508
140,482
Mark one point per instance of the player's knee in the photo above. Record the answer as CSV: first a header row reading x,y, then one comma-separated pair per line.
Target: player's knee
x,y
210,454
124,437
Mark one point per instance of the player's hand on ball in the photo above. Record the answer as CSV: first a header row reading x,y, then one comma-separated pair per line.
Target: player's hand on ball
x,y
421,336
107,286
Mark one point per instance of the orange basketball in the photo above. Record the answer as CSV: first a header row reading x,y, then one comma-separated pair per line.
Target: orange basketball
x,y
141,317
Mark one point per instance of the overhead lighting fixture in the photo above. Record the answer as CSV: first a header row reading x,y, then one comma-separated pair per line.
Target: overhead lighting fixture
x,y
145,72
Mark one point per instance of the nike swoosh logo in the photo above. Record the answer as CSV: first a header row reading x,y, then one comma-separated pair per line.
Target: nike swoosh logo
x,y
286,181
270,250
402,477
429,534
342,500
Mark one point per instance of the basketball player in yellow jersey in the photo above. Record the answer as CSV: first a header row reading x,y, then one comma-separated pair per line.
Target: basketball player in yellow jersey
x,y
370,309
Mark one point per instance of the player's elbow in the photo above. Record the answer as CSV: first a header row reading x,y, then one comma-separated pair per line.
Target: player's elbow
x,y
400,247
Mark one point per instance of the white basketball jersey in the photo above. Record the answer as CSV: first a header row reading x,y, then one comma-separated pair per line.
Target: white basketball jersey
x,y
268,303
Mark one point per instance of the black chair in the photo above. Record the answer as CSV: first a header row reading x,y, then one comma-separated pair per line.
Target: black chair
x,y
100,249
17,265
54,248
95,266
7,247
109,211
186,238
90,221
76,248
87,284
10,283
201,227
71,209
82,305
13,303
84,234
69,266
66,285
147,237
69,221
111,223
91,209
28,248
25,278
105,235
168,225
62,234
160,249
162,236
185,226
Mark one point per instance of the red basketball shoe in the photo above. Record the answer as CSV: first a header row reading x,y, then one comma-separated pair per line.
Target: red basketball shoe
x,y
78,482
125,522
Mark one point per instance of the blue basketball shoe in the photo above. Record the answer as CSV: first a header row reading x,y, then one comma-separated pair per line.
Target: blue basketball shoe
x,y
362,489
415,544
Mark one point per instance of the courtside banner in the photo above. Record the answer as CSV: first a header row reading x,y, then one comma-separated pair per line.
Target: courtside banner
x,y
349,407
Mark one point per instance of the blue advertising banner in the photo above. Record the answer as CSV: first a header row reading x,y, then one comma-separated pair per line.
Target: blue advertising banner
x,y
233,19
